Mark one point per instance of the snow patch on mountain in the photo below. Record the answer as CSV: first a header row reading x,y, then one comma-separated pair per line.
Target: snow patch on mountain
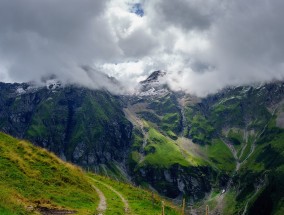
x,y
53,84
20,90
154,85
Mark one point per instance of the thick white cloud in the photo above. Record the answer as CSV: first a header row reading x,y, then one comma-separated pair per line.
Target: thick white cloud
x,y
205,45
39,38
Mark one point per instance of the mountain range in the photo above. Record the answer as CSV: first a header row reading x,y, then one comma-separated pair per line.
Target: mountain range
x,y
225,150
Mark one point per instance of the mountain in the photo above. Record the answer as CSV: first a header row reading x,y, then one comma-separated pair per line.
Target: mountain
x,y
225,150
35,181
83,126
155,84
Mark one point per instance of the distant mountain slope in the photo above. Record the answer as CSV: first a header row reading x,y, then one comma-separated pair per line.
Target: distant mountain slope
x,y
225,149
213,145
80,125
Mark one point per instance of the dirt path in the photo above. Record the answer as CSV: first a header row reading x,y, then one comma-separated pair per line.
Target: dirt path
x,y
125,202
102,204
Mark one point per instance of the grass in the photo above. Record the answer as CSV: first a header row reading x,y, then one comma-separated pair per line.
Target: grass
x,y
269,152
165,114
201,130
171,123
172,135
158,148
247,149
268,160
220,156
236,137
114,203
230,203
140,201
30,176
110,169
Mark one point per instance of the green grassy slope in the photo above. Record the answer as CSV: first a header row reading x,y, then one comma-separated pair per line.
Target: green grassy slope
x,y
33,178
236,136
140,201
220,156
267,162
70,121
75,116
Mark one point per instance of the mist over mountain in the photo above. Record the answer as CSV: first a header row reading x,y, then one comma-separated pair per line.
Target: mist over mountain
x,y
183,98
203,45
225,149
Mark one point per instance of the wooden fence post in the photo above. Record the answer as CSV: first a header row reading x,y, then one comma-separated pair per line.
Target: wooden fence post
x,y
207,210
183,206
163,208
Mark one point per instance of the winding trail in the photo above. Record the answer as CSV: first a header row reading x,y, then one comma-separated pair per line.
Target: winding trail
x,y
125,202
102,204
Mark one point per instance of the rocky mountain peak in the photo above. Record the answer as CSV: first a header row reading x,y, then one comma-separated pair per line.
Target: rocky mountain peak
x,y
154,85
154,77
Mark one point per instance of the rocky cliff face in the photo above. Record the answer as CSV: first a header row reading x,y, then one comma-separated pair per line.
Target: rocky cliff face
x,y
228,143
83,126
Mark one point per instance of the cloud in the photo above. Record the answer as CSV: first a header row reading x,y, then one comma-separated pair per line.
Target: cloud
x,y
246,44
204,45
187,14
53,37
242,43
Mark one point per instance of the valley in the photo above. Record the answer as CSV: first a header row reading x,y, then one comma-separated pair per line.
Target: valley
x,y
224,150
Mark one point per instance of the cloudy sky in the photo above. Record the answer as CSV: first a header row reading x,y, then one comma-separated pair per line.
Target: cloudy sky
x,y
204,45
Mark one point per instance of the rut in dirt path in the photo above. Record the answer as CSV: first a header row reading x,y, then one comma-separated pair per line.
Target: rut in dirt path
x,y
102,204
125,202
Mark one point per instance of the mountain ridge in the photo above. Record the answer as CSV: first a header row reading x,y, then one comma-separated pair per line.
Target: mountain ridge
x,y
173,142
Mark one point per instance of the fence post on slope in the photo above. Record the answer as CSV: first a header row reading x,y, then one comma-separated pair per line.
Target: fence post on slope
x,y
207,210
163,208
183,206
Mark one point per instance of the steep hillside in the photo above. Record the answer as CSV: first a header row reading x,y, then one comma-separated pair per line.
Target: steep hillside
x,y
225,150
123,198
83,126
208,148
248,120
158,156
262,175
33,180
